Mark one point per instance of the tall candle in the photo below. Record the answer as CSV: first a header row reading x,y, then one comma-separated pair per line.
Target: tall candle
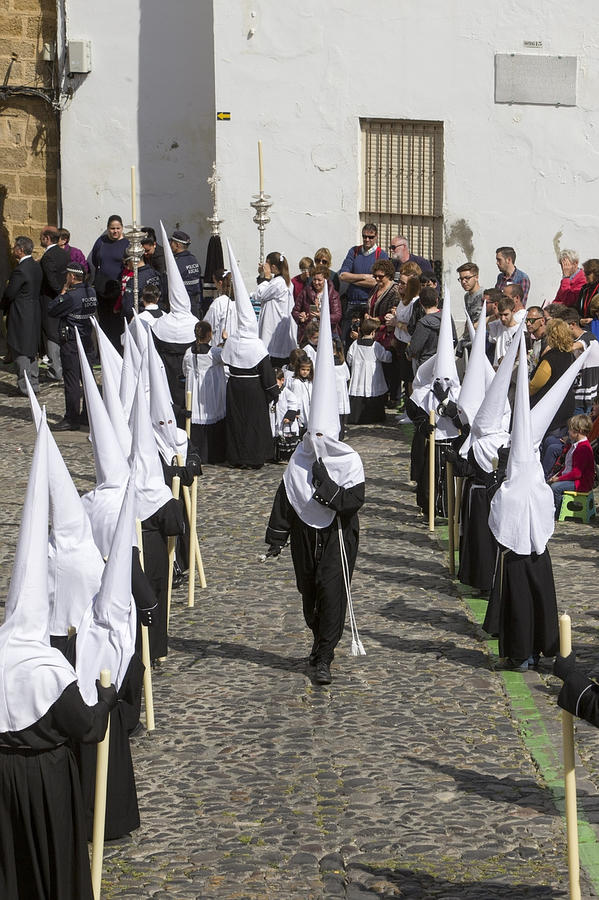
x,y
260,166
565,635
133,212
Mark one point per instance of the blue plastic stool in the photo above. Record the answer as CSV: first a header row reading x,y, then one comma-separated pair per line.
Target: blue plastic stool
x,y
579,506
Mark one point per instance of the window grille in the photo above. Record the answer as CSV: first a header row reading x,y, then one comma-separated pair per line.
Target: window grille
x,y
402,182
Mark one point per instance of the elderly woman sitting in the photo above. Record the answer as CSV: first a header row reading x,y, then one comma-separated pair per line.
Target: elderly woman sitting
x,y
573,279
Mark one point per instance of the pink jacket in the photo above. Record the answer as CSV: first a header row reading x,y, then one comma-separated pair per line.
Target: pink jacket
x,y
582,472
302,304
569,288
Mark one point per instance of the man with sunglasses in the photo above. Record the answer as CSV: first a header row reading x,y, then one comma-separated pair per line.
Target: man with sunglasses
x,y
473,300
356,273
401,253
535,326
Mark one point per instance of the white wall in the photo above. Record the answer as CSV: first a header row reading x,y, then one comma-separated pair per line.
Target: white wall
x,y
148,102
517,175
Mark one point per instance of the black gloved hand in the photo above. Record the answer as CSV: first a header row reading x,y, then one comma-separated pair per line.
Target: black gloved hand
x,y
319,472
147,616
107,694
449,409
439,391
425,428
326,488
564,665
274,550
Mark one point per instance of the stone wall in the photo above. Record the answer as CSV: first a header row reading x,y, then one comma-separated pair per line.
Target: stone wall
x,y
28,124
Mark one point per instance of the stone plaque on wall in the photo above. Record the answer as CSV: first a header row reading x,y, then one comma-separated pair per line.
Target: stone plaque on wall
x,y
545,80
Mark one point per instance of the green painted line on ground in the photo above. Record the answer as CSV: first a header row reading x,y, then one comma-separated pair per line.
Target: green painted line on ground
x,y
535,736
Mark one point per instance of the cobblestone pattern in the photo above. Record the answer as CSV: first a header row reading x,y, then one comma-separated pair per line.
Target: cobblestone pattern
x,y
407,777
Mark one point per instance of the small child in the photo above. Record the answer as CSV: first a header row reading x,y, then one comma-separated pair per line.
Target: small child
x,y
301,387
341,380
289,369
578,471
310,340
284,411
222,312
205,377
367,387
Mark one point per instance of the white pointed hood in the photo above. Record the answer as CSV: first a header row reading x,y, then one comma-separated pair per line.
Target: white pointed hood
x,y
130,371
543,412
178,325
151,491
441,367
75,564
33,674
321,440
161,407
106,637
103,503
478,377
244,349
490,429
111,380
138,328
522,510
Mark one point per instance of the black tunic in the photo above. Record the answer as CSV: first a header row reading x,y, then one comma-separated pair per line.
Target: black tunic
x,y
122,813
478,547
167,521
580,696
249,436
172,357
317,562
522,609
43,845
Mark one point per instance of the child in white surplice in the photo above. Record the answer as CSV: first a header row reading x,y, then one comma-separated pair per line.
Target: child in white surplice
x,y
205,378
367,387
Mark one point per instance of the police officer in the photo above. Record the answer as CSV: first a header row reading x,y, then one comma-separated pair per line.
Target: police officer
x,y
190,270
74,308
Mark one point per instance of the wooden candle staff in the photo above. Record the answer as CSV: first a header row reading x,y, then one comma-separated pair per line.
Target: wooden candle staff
x,y
172,546
450,516
459,486
431,473
133,201
191,581
193,533
100,801
565,648
145,651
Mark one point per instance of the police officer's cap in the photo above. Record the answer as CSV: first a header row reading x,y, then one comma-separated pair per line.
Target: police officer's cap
x,y
181,237
76,268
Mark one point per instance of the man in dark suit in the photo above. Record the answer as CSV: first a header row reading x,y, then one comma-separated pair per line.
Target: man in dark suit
x,y
54,270
22,301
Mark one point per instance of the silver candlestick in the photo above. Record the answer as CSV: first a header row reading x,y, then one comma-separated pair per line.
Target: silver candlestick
x,y
261,204
135,252
214,220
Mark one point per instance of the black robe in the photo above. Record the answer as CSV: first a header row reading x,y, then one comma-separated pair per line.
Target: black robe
x,y
522,610
172,357
43,845
167,521
419,462
122,812
478,547
249,435
317,562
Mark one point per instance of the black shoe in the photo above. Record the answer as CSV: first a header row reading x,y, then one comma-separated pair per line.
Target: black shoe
x,y
313,653
64,425
323,673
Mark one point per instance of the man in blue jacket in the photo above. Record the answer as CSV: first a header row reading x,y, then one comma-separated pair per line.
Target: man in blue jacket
x,y
356,273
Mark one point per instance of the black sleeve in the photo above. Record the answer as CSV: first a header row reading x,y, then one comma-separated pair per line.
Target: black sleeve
x,y
61,306
144,596
15,283
281,517
267,379
348,501
580,696
76,719
416,414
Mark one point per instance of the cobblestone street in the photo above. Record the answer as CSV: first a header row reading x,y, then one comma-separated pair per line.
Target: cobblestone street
x,y
420,772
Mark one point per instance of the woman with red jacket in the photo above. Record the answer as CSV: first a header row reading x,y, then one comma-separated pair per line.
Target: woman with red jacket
x,y
573,280
307,304
578,471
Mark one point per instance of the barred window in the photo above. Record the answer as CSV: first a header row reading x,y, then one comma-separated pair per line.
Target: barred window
x,y
402,182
